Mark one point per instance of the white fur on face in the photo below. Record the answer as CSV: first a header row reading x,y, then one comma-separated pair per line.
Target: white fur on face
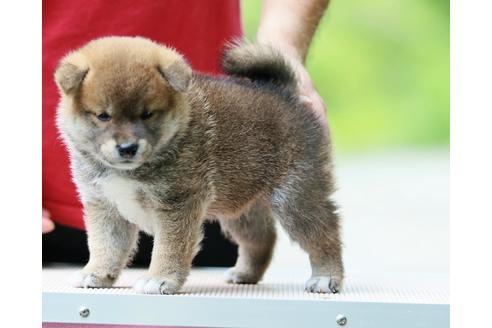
x,y
109,151
112,157
142,147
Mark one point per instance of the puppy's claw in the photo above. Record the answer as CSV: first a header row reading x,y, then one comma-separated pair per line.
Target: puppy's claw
x,y
163,286
322,284
234,276
91,280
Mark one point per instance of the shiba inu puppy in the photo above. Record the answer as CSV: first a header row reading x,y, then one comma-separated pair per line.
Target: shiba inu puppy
x,y
155,147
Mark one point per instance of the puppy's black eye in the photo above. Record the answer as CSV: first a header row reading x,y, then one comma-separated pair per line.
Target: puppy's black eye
x,y
104,117
146,115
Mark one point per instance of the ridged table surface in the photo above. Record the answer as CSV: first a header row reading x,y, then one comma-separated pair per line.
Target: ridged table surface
x,y
417,288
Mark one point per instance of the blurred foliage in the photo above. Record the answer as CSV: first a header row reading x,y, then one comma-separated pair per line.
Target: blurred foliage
x,y
382,67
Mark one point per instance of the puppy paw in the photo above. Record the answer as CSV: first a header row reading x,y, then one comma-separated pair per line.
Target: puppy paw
x,y
155,285
91,280
236,276
323,284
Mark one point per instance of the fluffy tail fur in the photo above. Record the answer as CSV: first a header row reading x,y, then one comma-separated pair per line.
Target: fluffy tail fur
x,y
259,63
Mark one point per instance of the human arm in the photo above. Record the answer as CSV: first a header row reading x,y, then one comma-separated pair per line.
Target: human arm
x,y
289,25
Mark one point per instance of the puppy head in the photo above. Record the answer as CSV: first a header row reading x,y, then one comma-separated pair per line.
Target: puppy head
x,y
122,99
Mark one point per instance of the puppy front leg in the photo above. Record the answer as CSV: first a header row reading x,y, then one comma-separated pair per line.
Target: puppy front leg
x,y
176,241
111,241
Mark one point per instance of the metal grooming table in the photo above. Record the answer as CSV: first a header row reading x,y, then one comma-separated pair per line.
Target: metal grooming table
x,y
382,301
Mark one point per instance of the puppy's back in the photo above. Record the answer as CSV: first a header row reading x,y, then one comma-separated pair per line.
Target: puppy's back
x,y
262,133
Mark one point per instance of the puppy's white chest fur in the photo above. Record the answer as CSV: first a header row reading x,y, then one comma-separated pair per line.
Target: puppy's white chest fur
x,y
123,193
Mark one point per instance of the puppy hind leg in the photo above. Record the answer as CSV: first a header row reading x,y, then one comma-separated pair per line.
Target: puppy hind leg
x,y
254,232
315,226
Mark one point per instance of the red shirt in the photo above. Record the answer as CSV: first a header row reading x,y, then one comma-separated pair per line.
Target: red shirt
x,y
197,29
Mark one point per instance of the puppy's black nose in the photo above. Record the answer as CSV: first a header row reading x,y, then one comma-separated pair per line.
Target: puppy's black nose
x,y
127,149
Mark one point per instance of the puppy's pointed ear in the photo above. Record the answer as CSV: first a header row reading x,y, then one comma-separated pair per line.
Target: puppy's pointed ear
x,y
69,77
174,69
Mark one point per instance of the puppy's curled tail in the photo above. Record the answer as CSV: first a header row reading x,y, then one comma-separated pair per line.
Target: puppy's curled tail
x,y
259,63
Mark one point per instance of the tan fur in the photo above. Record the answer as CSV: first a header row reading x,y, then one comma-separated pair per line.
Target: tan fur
x,y
243,152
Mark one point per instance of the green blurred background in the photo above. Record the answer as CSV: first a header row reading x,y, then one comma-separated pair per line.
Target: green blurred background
x,y
382,67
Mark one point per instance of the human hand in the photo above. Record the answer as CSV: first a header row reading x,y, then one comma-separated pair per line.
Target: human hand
x,y
307,92
289,26
48,224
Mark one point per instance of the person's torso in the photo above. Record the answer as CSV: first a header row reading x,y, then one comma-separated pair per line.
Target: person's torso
x,y
197,29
